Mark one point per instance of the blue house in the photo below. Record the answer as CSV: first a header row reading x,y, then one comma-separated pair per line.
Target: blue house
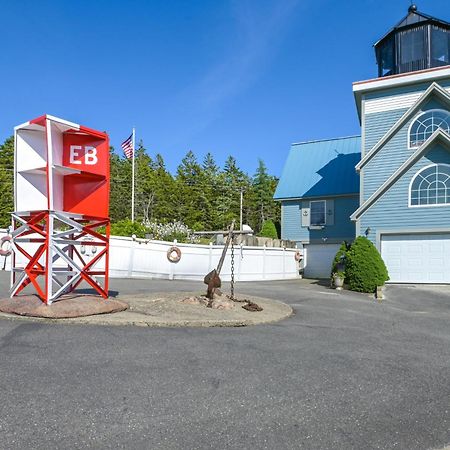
x,y
318,190
403,205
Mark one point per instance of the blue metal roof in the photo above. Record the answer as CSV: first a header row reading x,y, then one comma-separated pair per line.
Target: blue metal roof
x,y
321,168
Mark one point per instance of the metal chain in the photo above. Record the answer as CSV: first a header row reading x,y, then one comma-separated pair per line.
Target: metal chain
x,y
232,267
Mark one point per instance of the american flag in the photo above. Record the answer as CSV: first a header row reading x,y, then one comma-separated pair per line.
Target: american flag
x,y
127,146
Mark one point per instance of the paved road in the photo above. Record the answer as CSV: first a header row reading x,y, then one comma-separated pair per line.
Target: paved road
x,y
344,373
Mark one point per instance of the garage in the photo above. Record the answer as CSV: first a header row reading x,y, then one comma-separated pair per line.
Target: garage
x,y
318,259
417,258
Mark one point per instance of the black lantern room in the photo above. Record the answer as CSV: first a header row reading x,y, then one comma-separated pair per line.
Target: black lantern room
x,y
417,42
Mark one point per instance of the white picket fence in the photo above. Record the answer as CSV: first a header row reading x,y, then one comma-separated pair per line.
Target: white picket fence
x,y
148,259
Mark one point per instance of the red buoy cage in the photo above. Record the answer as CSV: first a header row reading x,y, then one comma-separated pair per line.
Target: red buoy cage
x,y
61,204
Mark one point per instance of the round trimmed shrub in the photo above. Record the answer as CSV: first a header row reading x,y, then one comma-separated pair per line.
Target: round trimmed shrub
x,y
365,269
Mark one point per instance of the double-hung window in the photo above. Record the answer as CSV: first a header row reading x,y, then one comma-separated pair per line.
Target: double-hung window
x,y
318,217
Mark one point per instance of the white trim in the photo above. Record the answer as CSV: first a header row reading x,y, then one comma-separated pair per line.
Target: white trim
x,y
64,122
417,118
22,125
360,88
411,183
401,80
434,87
392,102
438,134
49,143
324,214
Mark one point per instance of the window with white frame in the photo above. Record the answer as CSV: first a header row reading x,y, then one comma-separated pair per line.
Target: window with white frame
x,y
426,124
318,217
431,186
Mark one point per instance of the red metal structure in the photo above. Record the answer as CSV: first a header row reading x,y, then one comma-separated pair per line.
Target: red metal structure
x,y
61,192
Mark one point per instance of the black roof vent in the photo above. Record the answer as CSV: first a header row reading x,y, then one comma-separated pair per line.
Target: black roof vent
x,y
417,42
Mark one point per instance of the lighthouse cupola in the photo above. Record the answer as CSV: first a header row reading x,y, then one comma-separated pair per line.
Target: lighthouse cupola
x,y
417,42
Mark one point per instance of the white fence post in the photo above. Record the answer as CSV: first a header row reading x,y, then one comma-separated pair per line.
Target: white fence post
x,y
171,264
264,262
210,257
241,257
131,256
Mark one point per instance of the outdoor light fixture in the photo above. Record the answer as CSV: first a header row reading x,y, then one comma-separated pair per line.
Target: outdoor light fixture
x,y
367,231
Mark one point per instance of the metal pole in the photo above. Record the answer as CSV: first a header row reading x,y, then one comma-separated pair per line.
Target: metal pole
x,y
242,201
132,179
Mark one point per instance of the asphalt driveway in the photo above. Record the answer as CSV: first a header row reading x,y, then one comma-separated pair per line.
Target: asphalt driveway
x,y
345,372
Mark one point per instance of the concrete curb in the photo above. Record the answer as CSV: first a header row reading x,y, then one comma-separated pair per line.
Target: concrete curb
x,y
165,310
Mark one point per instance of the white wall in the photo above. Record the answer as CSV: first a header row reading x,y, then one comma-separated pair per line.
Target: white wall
x,y
133,259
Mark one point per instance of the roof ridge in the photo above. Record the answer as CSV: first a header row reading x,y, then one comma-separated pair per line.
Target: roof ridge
x,y
328,139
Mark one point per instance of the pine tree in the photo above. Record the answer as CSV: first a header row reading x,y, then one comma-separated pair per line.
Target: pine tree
x,y
6,181
162,186
190,197
211,186
263,206
120,190
233,181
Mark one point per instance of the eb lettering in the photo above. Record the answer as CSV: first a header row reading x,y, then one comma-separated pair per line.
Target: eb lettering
x,y
77,152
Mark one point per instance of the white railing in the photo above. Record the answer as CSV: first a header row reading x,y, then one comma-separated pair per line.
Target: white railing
x,y
148,259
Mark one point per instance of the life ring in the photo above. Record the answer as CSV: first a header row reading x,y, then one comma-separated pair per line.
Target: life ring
x,y
6,252
174,254
298,256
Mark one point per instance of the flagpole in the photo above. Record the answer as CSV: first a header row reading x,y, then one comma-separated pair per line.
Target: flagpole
x,y
132,179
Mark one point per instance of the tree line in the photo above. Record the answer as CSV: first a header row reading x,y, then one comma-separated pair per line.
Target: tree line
x,y
202,195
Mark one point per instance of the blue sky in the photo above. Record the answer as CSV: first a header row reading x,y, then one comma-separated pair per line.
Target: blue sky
x,y
239,77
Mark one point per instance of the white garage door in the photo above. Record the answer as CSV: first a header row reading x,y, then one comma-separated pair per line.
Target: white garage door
x,y
318,259
417,258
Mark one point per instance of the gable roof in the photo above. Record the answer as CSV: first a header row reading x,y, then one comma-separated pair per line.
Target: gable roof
x,y
320,169
439,136
433,89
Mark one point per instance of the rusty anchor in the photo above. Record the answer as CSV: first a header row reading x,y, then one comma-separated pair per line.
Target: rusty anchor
x,y
212,279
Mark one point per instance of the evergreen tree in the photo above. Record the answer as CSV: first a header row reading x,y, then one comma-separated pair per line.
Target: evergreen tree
x,y
211,187
162,186
120,189
190,198
201,195
263,206
233,181
6,181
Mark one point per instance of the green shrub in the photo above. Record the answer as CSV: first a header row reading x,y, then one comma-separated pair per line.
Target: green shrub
x,y
365,269
127,228
343,249
269,230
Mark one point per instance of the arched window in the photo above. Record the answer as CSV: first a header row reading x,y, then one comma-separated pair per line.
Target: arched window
x,y
431,186
426,124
